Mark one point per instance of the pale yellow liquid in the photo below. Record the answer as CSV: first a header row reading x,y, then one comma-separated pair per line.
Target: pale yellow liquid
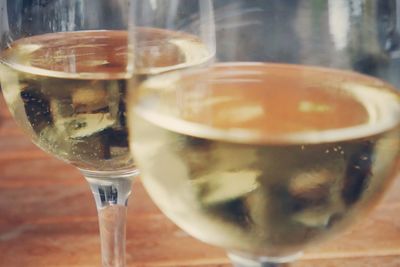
x,y
264,158
67,90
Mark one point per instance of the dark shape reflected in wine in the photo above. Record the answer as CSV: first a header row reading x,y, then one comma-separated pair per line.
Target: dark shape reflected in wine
x,y
37,108
358,173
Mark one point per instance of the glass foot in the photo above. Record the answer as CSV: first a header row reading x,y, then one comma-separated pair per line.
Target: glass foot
x,y
240,260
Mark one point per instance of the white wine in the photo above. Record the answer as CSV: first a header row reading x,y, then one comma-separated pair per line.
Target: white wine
x,y
68,89
265,158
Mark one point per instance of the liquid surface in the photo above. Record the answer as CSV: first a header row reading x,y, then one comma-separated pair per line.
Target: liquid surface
x,y
264,158
68,90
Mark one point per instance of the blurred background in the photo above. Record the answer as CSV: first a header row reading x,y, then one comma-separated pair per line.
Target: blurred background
x,y
48,216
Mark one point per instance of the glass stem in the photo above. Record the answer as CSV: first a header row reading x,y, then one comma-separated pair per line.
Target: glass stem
x,y
239,260
111,192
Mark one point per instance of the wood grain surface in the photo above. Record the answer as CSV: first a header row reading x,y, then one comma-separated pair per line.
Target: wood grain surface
x,y
48,218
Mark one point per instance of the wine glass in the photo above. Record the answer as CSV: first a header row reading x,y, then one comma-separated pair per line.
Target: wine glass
x,y
288,139
64,73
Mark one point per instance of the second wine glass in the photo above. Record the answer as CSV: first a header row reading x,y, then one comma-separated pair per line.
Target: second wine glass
x,y
284,144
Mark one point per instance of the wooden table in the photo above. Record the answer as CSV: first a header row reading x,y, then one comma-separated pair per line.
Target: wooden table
x,y
48,218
